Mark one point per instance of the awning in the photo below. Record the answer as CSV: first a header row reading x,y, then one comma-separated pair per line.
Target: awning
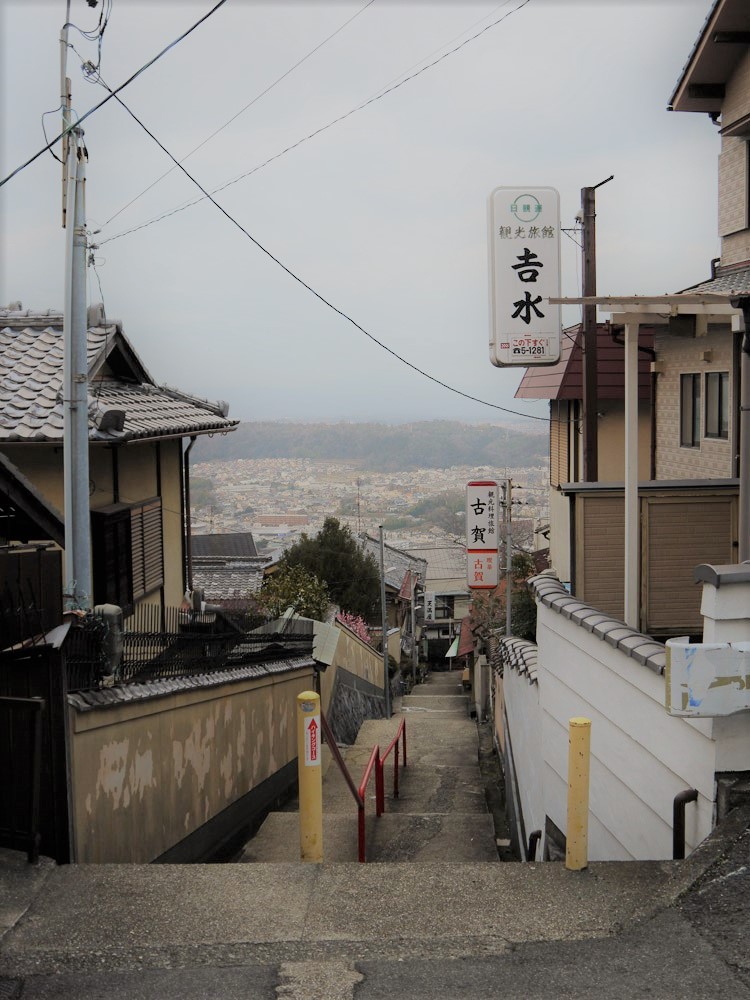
x,y
453,651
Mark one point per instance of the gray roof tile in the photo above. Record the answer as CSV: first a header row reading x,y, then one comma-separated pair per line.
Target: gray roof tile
x,y
31,372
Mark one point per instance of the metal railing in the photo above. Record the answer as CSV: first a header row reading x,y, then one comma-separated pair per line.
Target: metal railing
x,y
376,766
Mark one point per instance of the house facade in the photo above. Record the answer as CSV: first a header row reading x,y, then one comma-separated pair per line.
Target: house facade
x,y
446,599
139,470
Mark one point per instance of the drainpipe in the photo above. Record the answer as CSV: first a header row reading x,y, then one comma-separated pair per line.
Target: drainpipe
x,y
186,490
743,303
678,821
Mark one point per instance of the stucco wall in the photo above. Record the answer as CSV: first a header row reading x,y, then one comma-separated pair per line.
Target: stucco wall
x,y
147,774
640,756
684,355
524,721
138,480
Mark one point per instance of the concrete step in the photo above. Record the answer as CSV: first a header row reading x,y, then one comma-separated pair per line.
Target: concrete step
x,y
391,837
436,702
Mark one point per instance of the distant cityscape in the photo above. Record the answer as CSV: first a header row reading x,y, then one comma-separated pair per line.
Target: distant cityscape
x,y
280,498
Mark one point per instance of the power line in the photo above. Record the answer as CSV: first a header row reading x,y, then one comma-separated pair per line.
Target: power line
x,y
318,295
241,111
316,132
112,93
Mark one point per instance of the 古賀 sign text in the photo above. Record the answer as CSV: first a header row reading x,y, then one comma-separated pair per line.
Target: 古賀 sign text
x,y
481,534
524,253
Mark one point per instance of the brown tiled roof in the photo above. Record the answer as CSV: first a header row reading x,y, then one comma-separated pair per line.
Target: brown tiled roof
x,y
31,375
565,379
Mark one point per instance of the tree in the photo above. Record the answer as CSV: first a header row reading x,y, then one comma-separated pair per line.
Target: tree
x,y
523,608
294,587
334,556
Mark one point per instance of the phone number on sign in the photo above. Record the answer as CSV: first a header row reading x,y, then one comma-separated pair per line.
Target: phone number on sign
x,y
536,348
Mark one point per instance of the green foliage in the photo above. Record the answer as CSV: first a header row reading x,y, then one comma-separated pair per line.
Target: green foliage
x,y
295,587
435,444
334,556
523,608
202,492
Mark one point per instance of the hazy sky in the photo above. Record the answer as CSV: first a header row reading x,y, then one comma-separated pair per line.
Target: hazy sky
x,y
384,213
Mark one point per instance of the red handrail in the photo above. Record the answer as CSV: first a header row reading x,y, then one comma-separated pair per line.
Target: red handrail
x,y
376,764
401,733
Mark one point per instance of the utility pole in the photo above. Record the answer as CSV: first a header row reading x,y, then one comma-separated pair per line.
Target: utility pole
x,y
590,395
78,588
508,554
386,679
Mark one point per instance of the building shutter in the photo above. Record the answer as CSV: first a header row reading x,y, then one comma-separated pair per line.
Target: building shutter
x,y
601,553
558,443
680,535
147,547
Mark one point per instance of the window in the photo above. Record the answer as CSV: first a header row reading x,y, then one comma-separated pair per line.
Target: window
x,y
690,411
717,404
443,607
128,556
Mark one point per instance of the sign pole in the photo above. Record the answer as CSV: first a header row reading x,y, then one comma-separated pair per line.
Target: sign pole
x,y
310,777
508,556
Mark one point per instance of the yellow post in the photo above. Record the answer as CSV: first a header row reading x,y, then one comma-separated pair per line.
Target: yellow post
x,y
577,840
310,777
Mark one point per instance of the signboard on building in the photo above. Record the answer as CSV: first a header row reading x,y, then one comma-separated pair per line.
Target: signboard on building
x,y
481,534
429,606
524,258
707,679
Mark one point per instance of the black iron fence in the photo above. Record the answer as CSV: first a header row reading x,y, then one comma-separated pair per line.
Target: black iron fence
x,y
160,643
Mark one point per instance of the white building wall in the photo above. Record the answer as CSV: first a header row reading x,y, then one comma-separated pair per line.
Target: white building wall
x,y
524,725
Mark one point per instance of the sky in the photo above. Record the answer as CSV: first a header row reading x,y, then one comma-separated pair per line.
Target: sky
x,y
383,214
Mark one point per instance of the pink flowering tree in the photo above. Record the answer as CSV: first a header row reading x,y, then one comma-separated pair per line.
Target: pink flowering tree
x,y
355,623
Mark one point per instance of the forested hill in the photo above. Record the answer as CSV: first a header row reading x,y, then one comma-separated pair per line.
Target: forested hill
x,y
435,444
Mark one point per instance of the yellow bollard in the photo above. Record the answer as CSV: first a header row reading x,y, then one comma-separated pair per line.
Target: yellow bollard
x,y
310,777
577,840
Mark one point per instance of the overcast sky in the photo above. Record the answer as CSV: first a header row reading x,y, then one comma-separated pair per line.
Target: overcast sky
x,y
384,214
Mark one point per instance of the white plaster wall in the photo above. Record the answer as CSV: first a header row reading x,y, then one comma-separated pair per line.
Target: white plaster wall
x,y
640,756
524,724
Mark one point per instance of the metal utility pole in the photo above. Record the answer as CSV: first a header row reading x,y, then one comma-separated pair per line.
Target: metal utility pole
x,y
386,679
590,395
413,629
508,554
78,588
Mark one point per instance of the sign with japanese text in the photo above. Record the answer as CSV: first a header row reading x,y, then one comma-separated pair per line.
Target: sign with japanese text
x,y
481,534
429,607
481,515
312,741
482,570
524,257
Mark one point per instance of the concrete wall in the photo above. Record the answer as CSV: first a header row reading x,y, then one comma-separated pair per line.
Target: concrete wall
x,y
524,725
352,686
641,757
146,775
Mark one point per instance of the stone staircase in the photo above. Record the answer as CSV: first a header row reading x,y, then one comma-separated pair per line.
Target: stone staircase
x,y
441,813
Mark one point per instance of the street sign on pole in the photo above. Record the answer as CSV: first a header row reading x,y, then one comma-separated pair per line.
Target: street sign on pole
x,y
524,259
481,534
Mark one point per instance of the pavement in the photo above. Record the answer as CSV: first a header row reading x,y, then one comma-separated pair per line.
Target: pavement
x,y
449,926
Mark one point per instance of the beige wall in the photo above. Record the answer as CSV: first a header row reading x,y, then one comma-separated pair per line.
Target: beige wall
x,y
683,355
733,166
357,658
138,480
611,441
145,775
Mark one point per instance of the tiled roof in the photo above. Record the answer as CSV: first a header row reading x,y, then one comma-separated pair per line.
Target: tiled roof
x,y
728,282
444,562
565,379
397,561
640,647
233,543
519,654
85,701
31,375
228,579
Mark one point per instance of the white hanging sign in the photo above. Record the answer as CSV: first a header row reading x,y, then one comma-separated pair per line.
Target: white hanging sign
x,y
524,259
